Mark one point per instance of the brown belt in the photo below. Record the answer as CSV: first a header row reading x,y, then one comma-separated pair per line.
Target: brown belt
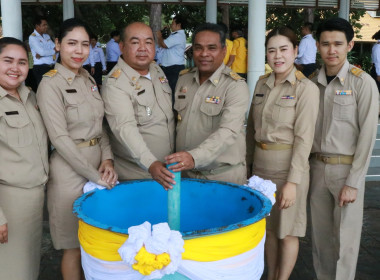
x,y
89,143
273,146
334,159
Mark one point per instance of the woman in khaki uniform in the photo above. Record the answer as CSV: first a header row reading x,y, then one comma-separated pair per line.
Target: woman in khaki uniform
x,y
23,167
279,137
72,110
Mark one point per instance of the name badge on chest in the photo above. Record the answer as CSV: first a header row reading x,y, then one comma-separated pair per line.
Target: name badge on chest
x,y
213,99
343,92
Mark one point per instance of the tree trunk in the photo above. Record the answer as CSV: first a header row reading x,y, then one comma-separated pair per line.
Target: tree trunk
x,y
226,17
309,15
155,17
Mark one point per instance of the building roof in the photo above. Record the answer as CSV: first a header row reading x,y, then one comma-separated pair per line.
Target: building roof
x,y
370,25
334,4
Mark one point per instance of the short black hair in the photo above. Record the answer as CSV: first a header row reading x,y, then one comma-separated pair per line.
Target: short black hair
x,y
212,27
6,41
336,24
38,20
376,36
115,33
179,19
308,25
93,36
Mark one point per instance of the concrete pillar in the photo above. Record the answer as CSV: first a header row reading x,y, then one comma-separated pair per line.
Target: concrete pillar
x,y
256,39
68,9
211,11
11,18
344,9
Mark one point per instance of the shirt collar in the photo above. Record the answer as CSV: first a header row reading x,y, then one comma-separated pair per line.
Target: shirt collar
x,y
215,77
341,74
38,34
68,75
291,78
23,91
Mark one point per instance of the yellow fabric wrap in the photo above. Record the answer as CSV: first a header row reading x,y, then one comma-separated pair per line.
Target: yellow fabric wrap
x,y
103,244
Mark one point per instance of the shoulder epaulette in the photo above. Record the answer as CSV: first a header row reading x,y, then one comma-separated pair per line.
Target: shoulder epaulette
x,y
51,73
34,34
264,76
356,71
184,71
235,76
312,75
299,75
116,74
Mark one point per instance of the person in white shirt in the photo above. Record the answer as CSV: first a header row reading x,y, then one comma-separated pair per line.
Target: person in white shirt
x,y
307,51
173,58
113,50
100,62
375,71
42,48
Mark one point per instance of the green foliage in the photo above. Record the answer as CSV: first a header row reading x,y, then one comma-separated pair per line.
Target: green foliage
x,y
362,61
195,14
103,18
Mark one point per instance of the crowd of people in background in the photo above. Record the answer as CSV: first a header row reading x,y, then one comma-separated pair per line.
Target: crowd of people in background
x,y
309,130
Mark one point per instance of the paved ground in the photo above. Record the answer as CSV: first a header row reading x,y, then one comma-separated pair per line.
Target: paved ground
x,y
369,256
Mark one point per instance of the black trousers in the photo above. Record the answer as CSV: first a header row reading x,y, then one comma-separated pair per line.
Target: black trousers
x,y
110,65
308,69
172,73
40,70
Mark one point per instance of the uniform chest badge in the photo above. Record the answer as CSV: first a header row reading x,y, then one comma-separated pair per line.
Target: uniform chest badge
x,y
148,111
183,89
94,88
288,97
213,99
343,92
163,80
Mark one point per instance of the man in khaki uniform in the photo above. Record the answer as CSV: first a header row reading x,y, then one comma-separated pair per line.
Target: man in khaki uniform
x,y
138,108
211,102
344,137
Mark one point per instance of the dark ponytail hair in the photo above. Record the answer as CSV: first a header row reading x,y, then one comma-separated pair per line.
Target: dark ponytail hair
x,y
68,25
283,31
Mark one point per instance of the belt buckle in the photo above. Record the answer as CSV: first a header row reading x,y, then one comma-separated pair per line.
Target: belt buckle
x,y
93,142
263,146
325,159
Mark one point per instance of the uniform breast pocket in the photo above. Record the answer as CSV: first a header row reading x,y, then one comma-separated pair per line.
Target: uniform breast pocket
x,y
17,130
258,104
211,115
144,109
343,107
284,110
75,108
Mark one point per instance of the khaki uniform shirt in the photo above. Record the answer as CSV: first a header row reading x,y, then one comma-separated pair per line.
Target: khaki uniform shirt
x,y
284,114
139,113
347,118
73,110
23,142
211,118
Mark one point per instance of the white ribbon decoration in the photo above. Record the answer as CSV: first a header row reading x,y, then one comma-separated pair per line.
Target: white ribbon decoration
x,y
157,241
266,187
246,266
